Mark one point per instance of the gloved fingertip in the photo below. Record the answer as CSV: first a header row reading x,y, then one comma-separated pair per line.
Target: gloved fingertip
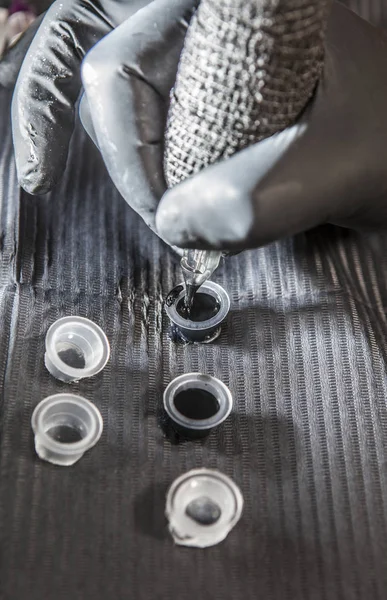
x,y
36,186
36,173
205,212
34,190
39,166
169,221
176,227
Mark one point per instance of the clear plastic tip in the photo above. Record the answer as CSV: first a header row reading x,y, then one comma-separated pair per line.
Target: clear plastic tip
x,y
199,265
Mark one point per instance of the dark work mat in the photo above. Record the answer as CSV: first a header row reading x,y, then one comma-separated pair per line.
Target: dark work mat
x,y
303,351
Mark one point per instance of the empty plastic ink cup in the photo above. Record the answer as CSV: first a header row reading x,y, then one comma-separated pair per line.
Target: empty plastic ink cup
x,y
210,308
75,348
65,427
202,508
196,403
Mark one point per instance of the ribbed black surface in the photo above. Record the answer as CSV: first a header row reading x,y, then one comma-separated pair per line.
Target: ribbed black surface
x,y
304,353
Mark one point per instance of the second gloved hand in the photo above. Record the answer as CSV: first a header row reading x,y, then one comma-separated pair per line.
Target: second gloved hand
x,y
327,168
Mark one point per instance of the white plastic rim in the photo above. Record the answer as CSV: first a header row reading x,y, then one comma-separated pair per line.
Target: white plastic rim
x,y
68,411
199,381
81,336
212,289
193,485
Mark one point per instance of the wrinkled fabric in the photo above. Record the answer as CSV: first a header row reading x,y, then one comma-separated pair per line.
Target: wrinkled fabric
x,y
303,352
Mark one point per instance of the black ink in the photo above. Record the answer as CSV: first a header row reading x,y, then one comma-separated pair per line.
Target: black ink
x,y
196,404
203,308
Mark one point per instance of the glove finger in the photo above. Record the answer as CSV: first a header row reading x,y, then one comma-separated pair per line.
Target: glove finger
x,y
249,200
48,86
85,116
127,79
44,98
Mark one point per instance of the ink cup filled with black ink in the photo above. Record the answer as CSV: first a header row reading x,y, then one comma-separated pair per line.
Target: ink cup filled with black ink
x,y
209,309
195,403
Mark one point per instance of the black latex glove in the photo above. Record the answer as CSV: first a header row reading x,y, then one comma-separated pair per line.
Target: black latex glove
x,y
127,79
329,167
49,84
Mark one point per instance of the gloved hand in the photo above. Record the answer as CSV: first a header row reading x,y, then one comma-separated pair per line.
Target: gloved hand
x,y
49,84
329,167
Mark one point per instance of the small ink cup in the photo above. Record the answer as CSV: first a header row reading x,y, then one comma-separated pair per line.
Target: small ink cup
x,y
75,348
202,508
65,427
196,403
210,308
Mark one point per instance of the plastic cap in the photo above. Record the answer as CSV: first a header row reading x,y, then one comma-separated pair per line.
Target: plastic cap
x,y
65,427
198,402
75,348
200,331
202,507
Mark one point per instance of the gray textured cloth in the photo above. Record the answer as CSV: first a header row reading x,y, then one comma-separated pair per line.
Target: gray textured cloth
x,y
247,71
